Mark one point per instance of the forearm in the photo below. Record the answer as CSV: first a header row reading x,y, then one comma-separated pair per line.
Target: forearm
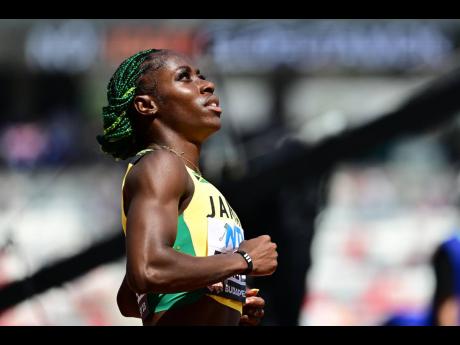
x,y
127,301
174,272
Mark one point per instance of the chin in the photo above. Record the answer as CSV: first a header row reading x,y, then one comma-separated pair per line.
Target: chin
x,y
218,125
214,129
211,128
214,123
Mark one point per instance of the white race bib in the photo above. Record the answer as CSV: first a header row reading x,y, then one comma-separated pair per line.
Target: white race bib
x,y
225,237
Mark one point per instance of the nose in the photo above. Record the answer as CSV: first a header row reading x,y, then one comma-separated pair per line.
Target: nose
x,y
207,86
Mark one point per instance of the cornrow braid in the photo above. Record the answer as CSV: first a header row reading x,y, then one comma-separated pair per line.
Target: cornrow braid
x,y
118,138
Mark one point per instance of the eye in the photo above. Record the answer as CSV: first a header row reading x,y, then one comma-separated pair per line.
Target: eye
x,y
183,75
202,77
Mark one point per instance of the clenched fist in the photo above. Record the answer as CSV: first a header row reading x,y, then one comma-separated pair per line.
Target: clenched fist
x,y
263,253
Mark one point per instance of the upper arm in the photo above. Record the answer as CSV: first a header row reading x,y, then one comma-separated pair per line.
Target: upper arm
x,y
154,188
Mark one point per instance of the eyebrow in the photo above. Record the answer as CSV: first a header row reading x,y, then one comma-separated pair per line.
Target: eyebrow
x,y
188,68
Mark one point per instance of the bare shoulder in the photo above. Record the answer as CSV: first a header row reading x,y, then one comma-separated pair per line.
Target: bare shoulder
x,y
159,172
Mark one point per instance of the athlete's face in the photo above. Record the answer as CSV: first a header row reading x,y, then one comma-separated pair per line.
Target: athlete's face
x,y
186,100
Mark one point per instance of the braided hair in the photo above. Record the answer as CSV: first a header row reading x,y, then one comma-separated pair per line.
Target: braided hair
x,y
119,137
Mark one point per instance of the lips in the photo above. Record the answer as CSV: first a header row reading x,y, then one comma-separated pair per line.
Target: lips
x,y
212,103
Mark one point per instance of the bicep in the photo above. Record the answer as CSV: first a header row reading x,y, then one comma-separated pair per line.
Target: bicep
x,y
151,227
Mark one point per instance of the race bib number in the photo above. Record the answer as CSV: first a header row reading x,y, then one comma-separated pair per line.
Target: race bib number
x,y
224,238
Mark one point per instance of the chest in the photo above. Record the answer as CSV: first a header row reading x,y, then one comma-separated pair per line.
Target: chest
x,y
214,225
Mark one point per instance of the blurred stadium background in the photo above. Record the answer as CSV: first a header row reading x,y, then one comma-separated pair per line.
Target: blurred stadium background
x,y
358,230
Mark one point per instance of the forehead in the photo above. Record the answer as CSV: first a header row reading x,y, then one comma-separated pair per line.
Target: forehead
x,y
175,60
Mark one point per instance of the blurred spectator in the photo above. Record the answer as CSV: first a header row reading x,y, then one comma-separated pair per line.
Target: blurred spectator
x,y
63,131
30,144
24,144
444,309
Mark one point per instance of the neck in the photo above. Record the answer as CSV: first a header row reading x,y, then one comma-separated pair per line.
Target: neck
x,y
191,151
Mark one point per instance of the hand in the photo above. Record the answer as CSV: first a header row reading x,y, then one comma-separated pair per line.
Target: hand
x,y
263,253
217,287
253,309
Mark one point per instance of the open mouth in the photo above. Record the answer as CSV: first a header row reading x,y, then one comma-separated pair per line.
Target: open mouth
x,y
213,104
214,107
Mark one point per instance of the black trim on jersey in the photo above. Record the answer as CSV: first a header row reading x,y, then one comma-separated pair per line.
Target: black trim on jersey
x,y
138,157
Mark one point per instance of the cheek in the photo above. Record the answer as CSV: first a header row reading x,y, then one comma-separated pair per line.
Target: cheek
x,y
184,101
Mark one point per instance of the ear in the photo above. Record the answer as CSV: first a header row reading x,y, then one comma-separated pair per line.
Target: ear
x,y
145,105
